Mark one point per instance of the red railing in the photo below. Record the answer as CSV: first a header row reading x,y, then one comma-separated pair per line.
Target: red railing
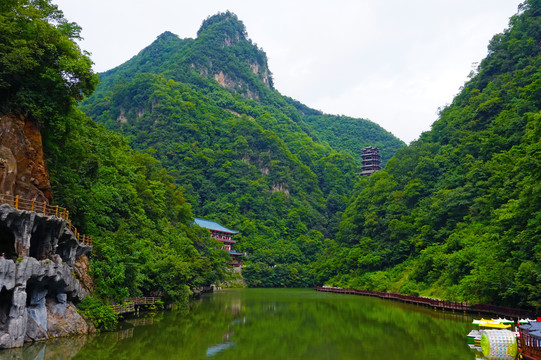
x,y
21,203
222,238
436,303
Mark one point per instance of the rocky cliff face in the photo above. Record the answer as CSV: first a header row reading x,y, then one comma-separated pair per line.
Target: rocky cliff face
x,y
22,167
245,70
41,261
38,283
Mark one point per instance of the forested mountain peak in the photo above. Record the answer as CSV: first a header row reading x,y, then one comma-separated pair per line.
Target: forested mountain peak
x,y
224,52
221,51
227,24
243,154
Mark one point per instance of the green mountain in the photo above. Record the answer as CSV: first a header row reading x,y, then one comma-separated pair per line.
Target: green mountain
x,y
457,214
243,154
144,239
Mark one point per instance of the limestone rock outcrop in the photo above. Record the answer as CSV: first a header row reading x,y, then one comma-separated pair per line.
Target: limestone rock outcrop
x,y
23,170
39,277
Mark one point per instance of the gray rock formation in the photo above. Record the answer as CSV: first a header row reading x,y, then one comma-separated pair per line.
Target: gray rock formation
x,y
37,284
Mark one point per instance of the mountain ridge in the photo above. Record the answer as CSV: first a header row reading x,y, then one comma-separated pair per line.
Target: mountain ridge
x,y
241,151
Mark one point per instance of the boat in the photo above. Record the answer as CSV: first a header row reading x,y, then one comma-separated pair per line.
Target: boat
x,y
530,338
474,336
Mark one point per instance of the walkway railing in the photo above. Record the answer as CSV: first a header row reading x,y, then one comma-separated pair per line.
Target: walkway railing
x,y
21,203
149,300
129,304
529,345
436,303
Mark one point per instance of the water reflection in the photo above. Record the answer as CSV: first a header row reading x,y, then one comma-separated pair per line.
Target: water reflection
x,y
234,308
276,324
64,348
218,348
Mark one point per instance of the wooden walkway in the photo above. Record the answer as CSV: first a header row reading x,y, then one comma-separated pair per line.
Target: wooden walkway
x,y
436,303
131,304
20,203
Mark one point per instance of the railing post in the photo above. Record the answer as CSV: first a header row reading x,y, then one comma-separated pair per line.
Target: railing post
x,y
67,214
32,207
45,208
17,202
56,211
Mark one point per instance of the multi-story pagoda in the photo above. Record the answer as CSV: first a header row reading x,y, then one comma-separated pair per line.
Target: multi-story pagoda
x,y
224,235
371,160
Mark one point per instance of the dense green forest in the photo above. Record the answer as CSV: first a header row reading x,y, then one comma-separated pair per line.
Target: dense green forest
x,y
195,127
242,153
456,214
144,238
347,134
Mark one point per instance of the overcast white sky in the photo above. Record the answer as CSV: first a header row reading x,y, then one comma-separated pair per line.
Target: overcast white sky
x,y
391,61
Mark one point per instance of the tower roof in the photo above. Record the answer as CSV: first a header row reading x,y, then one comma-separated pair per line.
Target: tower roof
x,y
212,225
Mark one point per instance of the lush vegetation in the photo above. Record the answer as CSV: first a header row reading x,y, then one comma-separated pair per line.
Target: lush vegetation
x,y
457,214
454,215
242,153
348,135
42,70
144,238
102,316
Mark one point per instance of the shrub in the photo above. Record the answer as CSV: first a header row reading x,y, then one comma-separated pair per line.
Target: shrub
x,y
101,315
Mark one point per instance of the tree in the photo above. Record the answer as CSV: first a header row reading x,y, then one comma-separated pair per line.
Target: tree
x,y
42,70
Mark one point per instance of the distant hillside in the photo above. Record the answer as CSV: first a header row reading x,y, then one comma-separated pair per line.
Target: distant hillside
x,y
347,134
457,214
245,157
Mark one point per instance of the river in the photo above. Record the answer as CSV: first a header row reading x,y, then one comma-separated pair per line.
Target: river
x,y
260,324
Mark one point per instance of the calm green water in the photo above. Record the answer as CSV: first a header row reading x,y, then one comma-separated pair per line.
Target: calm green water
x,y
274,324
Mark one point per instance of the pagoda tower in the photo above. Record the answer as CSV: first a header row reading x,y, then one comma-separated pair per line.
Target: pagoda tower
x,y
371,160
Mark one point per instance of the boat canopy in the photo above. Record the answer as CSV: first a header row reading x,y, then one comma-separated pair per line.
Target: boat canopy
x,y
493,323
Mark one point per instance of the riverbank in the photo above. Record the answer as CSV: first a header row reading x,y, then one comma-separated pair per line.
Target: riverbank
x,y
437,303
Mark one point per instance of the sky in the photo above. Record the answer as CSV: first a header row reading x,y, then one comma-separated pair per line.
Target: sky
x,y
394,62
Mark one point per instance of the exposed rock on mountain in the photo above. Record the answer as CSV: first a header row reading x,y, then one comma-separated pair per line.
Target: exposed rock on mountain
x,y
38,253
23,170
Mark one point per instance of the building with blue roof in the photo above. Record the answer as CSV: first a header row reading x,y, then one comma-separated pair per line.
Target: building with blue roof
x,y
213,226
224,235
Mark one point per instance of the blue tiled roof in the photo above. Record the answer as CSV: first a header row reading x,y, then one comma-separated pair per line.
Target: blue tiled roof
x,y
212,225
235,253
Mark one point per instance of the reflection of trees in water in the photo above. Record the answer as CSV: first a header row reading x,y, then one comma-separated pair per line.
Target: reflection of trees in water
x,y
282,324
144,320
336,326
61,348
234,307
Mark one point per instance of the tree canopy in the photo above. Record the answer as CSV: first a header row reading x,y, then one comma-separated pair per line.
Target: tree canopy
x,y
145,241
43,71
457,214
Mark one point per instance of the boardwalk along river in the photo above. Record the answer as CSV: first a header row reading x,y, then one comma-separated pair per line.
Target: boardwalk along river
x,y
274,324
